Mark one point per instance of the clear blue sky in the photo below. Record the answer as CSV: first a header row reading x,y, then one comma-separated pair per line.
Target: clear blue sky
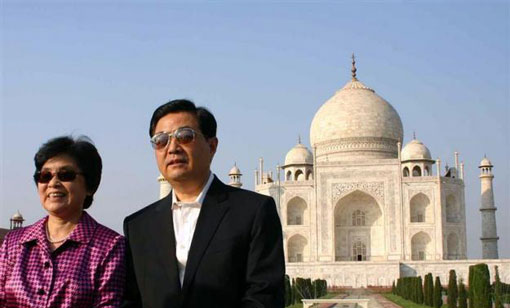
x,y
100,68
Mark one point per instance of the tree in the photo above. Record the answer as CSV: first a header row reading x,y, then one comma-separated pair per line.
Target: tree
x,y
497,290
479,286
288,291
452,290
294,292
419,290
462,295
393,288
438,292
428,289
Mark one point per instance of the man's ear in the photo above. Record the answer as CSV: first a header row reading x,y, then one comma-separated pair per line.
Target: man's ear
x,y
213,145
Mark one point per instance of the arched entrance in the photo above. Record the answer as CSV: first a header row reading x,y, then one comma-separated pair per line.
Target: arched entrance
x,y
359,231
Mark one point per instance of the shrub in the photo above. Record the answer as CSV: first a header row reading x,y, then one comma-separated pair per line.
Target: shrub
x,y
452,290
419,291
462,295
438,292
288,291
428,290
479,286
497,291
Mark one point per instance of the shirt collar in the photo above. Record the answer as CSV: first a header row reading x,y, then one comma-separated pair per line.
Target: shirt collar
x,y
82,233
200,198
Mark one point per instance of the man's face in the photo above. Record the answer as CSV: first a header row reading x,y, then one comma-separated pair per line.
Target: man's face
x,y
184,163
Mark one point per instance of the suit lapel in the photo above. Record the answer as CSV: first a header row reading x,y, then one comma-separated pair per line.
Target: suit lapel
x,y
163,228
212,211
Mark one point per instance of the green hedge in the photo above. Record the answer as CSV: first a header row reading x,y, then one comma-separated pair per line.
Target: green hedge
x,y
303,288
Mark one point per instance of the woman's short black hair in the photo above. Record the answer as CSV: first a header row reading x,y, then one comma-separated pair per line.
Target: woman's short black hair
x,y
85,155
205,118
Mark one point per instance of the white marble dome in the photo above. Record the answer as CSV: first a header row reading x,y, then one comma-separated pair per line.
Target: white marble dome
x,y
299,155
17,216
234,171
485,162
415,150
355,111
356,123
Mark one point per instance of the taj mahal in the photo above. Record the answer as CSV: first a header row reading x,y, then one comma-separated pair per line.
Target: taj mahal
x,y
358,208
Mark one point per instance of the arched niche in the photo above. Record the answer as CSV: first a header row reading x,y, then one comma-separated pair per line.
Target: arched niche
x,y
299,175
405,172
420,208
358,218
288,176
416,171
452,245
297,249
309,175
426,171
296,211
421,246
452,209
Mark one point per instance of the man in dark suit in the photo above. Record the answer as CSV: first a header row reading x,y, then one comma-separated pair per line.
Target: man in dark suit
x,y
206,244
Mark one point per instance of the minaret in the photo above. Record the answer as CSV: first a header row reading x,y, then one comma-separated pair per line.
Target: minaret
x,y
17,221
489,236
235,177
164,187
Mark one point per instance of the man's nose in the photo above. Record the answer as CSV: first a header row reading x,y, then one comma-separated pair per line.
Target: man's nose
x,y
173,146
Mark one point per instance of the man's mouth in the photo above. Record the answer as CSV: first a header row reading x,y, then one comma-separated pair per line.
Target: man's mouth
x,y
177,161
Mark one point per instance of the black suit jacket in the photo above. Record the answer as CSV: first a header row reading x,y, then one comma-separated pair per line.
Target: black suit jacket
x,y
235,259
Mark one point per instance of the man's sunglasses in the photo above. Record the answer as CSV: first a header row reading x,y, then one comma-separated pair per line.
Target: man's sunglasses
x,y
44,177
183,135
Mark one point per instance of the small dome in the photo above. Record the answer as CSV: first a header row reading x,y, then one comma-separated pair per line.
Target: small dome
x,y
299,155
485,162
415,150
234,171
17,216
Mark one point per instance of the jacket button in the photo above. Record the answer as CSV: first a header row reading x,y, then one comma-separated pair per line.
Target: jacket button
x,y
40,292
46,264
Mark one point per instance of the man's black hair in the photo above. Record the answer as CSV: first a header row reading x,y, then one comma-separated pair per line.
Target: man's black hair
x,y
205,118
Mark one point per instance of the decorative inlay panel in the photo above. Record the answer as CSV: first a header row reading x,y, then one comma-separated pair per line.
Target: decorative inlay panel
x,y
375,189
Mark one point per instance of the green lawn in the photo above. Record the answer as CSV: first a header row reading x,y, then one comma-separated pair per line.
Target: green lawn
x,y
404,303
506,298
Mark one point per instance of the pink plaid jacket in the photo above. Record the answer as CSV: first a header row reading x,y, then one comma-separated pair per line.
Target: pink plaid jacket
x,y
88,270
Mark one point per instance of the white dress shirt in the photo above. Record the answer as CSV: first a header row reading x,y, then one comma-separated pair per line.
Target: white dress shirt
x,y
185,215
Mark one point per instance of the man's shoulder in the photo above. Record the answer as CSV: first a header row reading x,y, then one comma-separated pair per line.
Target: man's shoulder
x,y
147,212
247,198
248,194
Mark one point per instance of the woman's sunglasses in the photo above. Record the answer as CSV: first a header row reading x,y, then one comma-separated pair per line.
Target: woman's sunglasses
x,y
182,135
44,177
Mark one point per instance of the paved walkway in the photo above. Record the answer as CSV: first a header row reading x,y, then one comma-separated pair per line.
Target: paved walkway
x,y
376,300
381,301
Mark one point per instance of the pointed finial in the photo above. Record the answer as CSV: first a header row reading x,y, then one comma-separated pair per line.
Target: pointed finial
x,y
299,139
353,69
414,135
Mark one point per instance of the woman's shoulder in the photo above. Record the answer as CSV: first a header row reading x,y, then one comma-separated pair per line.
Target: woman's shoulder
x,y
102,234
24,234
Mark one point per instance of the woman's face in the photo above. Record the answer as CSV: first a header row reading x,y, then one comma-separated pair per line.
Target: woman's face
x,y
62,198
